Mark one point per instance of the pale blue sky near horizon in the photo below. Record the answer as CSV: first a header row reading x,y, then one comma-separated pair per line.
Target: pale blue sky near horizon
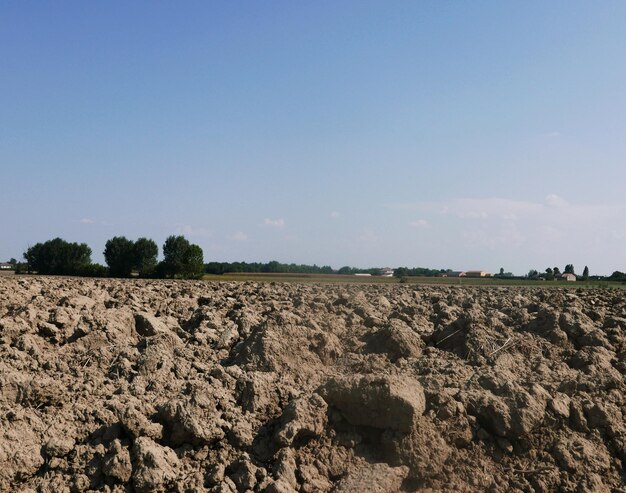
x,y
472,135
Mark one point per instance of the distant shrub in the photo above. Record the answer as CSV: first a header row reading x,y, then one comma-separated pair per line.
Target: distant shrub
x,y
94,270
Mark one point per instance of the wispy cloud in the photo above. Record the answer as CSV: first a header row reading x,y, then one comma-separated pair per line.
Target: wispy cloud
x,y
194,231
529,231
553,200
239,236
86,220
420,224
274,223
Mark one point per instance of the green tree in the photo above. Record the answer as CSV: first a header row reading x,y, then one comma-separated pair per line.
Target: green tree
x,y
401,272
569,269
617,276
586,273
193,263
501,271
58,257
120,256
549,274
145,252
181,259
557,272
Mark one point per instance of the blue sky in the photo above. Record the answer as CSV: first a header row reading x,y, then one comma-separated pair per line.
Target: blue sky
x,y
441,134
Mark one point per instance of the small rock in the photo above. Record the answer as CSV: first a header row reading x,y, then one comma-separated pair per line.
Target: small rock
x,y
137,425
373,478
59,446
302,418
116,463
148,325
155,467
560,405
384,402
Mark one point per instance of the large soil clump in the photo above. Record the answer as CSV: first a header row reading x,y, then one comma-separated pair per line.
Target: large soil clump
x,y
122,386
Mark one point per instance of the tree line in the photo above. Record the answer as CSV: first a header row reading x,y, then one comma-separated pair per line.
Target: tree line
x,y
184,260
418,271
124,258
273,267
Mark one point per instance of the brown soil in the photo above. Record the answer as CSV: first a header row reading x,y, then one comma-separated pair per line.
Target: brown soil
x,y
145,386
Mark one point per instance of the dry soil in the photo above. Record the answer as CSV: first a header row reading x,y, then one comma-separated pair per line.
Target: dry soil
x,y
145,386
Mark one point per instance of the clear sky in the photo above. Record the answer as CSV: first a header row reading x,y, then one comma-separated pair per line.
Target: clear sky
x,y
463,135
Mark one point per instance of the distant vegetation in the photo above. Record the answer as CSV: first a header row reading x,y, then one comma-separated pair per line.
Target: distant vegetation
x,y
124,258
59,257
617,276
275,267
418,271
183,260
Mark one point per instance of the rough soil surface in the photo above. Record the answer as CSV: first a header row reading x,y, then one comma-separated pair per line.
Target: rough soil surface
x,y
144,386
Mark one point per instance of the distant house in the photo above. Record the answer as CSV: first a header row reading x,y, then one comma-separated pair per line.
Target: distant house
x,y
6,266
568,277
477,273
387,272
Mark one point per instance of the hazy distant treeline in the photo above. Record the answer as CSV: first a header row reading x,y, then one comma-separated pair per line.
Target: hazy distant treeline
x,y
276,267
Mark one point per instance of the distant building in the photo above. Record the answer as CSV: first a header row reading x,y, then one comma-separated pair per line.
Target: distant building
x,y
477,273
454,273
6,266
568,277
387,272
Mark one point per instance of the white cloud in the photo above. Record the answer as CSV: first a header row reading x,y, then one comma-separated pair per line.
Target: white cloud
x,y
193,231
239,236
274,223
86,220
524,233
553,200
420,224
334,214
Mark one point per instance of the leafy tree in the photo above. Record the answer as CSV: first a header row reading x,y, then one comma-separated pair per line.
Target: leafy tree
x,y
174,250
556,271
273,267
569,269
193,265
501,271
533,274
145,252
549,274
58,257
617,276
586,273
13,262
181,259
120,256
401,272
